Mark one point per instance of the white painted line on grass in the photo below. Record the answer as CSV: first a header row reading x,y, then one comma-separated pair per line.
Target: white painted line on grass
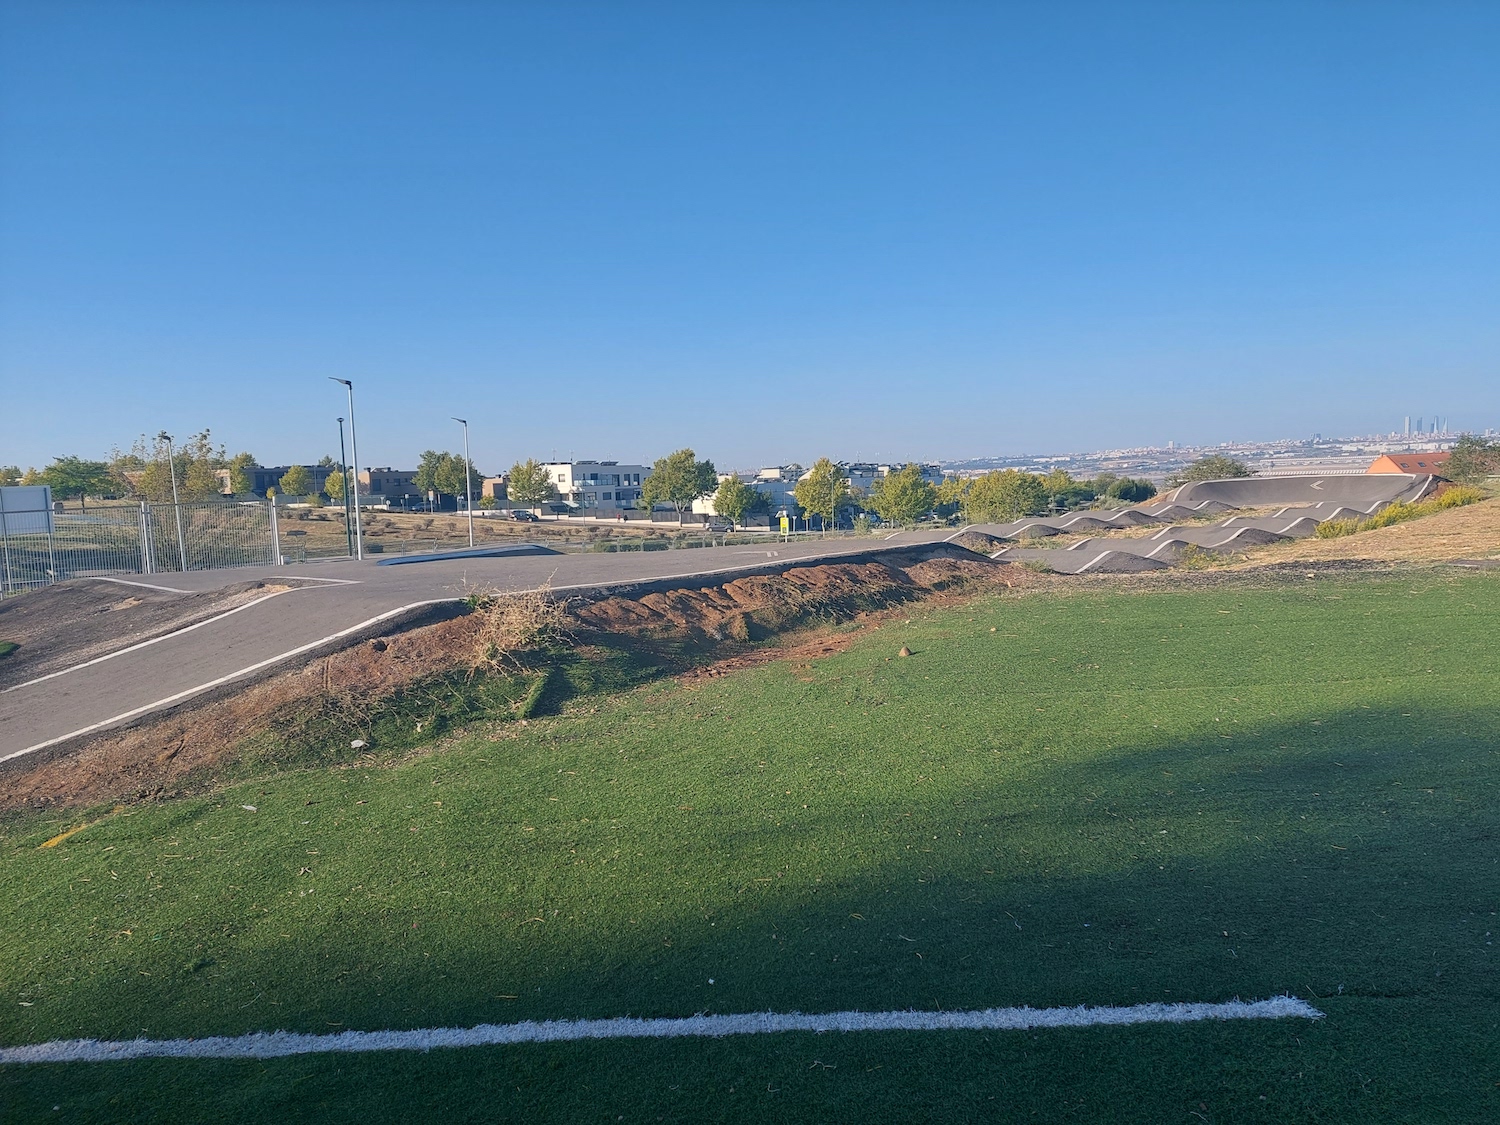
x,y
280,1044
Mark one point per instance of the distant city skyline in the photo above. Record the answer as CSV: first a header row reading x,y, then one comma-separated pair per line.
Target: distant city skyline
x,y
940,231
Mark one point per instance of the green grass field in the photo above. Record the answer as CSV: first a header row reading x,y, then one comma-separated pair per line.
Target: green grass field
x,y
1094,798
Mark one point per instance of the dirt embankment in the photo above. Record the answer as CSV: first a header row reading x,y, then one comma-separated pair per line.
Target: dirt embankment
x,y
399,692
1469,532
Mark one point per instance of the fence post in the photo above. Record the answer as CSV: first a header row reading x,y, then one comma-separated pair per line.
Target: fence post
x,y
276,559
5,539
181,542
147,565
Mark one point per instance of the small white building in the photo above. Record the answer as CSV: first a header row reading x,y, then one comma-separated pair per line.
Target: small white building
x,y
606,485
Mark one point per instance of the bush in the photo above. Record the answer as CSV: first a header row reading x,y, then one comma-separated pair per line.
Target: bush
x,y
511,625
1216,466
1399,512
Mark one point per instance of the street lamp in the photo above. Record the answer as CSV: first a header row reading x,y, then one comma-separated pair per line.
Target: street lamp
x,y
468,478
359,532
344,474
176,507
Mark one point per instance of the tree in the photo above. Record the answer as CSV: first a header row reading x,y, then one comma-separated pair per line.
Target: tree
x,y
951,493
31,476
429,468
529,485
145,473
333,487
824,491
1058,483
296,481
239,476
1004,495
1216,466
902,496
73,478
1472,459
487,503
443,473
734,499
1132,490
678,479
327,462
451,476
10,475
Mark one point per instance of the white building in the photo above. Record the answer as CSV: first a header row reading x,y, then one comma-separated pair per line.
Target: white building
x,y
606,485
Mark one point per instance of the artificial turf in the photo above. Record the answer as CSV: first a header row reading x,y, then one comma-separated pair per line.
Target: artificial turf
x,y
1100,798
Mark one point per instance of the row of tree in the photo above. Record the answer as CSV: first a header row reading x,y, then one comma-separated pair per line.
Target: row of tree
x,y
142,472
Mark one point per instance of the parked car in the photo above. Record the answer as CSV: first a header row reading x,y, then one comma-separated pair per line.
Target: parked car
x,y
523,515
720,527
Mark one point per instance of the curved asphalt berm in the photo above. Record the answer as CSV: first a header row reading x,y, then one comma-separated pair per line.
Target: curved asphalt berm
x,y
347,601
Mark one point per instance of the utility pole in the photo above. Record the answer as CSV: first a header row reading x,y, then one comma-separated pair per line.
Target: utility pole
x,y
176,507
468,478
344,473
359,532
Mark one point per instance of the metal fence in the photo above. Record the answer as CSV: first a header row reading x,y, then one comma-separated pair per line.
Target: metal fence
x,y
141,539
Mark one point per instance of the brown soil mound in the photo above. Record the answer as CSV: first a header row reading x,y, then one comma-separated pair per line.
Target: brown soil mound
x,y
751,608
980,542
184,751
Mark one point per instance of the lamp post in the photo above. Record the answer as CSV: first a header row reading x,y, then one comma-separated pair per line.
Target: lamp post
x,y
176,507
344,475
359,531
468,478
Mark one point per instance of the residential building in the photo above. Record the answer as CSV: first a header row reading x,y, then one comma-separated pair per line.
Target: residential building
x,y
1420,464
494,487
606,485
261,478
383,485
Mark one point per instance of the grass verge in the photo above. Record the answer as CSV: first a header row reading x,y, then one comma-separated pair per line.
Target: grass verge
x,y
1400,512
1094,798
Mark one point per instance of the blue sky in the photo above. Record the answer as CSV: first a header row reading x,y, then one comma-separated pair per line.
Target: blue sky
x,y
769,231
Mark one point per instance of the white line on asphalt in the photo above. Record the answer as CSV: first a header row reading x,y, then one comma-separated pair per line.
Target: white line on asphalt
x,y
243,672
143,585
153,641
280,1044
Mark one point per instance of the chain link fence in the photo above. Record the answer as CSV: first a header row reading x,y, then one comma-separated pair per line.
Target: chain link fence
x,y
140,539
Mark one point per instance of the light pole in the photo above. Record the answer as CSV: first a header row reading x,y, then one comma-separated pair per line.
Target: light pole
x,y
359,531
833,500
344,473
176,507
468,478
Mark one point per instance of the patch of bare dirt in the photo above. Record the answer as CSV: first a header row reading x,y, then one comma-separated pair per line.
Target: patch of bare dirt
x,y
1470,532
754,607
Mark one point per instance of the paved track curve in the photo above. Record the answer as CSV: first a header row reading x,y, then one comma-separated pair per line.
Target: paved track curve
x,y
340,602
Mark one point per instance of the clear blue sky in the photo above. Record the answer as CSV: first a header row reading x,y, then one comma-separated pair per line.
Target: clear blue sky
x,y
769,231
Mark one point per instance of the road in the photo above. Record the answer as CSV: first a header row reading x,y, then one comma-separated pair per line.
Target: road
x,y
341,601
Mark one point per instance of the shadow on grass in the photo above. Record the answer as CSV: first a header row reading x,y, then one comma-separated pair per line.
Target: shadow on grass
x,y
1355,869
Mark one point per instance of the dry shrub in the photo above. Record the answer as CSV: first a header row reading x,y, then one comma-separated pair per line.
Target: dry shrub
x,y
511,625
